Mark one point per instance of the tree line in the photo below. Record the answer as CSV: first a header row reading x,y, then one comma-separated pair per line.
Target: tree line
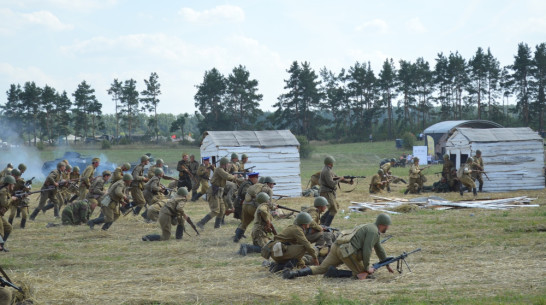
x,y
345,105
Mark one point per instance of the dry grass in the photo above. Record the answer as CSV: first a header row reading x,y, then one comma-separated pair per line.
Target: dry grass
x,y
469,256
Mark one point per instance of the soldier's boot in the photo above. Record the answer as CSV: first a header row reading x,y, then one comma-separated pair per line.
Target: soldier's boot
x,y
179,232
461,189
224,220
201,223
243,249
151,237
137,210
56,211
145,215
48,206
96,221
23,223
388,189
324,217
329,220
10,221
106,226
481,188
291,274
34,214
239,233
475,192
194,197
334,272
406,191
18,213
217,222
3,242
125,208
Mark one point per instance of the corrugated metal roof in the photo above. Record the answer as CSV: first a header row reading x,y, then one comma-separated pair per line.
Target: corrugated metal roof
x,y
445,126
262,138
499,134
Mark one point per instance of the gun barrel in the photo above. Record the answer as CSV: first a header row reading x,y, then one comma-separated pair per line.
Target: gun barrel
x,y
288,209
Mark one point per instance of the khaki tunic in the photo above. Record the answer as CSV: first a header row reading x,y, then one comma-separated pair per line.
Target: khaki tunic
x,y
477,167
376,185
172,213
117,175
193,167
203,174
317,235
328,189
53,177
447,167
73,188
249,205
295,245
214,194
466,178
137,185
21,203
5,201
152,189
415,181
315,178
76,213
85,181
6,171
116,192
96,191
356,253
260,233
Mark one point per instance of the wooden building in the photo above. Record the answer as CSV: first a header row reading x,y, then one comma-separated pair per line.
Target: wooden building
x,y
275,153
513,157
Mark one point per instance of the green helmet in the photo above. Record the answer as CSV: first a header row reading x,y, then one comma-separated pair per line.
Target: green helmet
x,y
234,156
446,156
69,167
244,156
144,158
106,173
383,219
303,218
320,202
224,161
60,164
469,160
158,162
393,160
158,171
261,179
269,180
262,197
22,167
9,179
76,169
127,177
478,152
329,160
183,191
380,171
15,172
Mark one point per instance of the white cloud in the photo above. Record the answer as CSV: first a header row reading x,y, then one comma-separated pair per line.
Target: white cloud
x,y
217,14
378,25
11,22
20,75
415,25
78,5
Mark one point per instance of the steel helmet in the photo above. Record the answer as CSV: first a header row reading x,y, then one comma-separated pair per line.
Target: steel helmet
x,y
127,177
329,160
262,197
183,191
303,218
224,161
383,219
320,202
158,171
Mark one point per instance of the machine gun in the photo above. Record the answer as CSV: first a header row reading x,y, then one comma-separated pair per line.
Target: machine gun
x,y
21,194
390,260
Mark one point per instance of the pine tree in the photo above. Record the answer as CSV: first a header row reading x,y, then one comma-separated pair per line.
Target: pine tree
x,y
116,90
387,85
129,102
210,100
150,101
521,76
242,98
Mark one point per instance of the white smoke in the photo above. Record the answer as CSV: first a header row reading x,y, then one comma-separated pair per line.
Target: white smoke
x,y
29,156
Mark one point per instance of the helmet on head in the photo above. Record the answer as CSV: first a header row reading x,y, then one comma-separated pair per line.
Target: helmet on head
x,y
329,160
69,167
446,156
76,169
144,158
244,156
183,191
261,179
262,197
22,167
60,164
127,177
127,166
469,160
9,179
234,156
383,219
303,218
106,173
268,179
320,202
15,172
380,171
94,160
393,160
224,161
158,162
158,171
478,152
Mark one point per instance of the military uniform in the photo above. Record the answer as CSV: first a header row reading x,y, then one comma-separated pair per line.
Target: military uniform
x,y
315,179
241,192
203,174
6,171
170,214
96,191
292,244
446,168
21,203
260,231
52,178
85,181
111,212
117,175
152,189
317,235
415,181
477,169
76,213
184,174
376,185
5,201
214,196
465,178
328,189
193,167
250,206
136,187
353,248
73,187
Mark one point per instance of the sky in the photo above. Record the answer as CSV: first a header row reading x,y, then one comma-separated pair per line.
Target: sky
x,y
63,42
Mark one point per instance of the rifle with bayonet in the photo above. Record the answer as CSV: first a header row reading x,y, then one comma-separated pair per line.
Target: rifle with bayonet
x,y
21,194
390,260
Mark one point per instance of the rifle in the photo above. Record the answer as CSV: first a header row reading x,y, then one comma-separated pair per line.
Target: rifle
x,y
422,169
192,225
287,208
485,174
329,229
390,260
270,226
21,194
349,177
387,238
280,196
7,281
29,182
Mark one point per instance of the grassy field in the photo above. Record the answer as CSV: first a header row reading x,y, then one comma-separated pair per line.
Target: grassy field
x,y
469,256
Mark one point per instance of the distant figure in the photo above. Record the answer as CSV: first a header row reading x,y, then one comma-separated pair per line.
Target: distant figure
x,y
371,137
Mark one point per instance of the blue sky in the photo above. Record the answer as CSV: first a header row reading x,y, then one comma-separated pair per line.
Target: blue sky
x,y
62,42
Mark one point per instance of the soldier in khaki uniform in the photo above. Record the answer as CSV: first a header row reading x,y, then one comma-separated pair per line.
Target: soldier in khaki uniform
x,y
118,172
465,177
8,185
19,203
328,185
415,178
6,171
193,167
315,234
315,179
352,248
250,205
153,193
138,185
377,185
231,187
239,204
214,195
74,214
151,170
289,246
263,227
203,176
86,176
51,183
184,176
116,196
447,167
477,169
96,191
172,213
73,188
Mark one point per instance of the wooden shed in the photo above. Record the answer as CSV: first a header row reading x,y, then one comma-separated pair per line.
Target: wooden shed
x,y
513,157
275,153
